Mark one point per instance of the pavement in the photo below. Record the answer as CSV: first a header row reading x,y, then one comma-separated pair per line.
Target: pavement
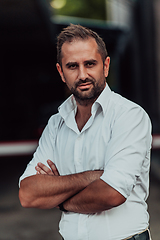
x,y
17,223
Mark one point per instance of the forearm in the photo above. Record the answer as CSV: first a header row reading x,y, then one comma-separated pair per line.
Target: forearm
x,y
96,197
44,191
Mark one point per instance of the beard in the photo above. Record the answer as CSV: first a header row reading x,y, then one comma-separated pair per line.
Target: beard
x,y
88,96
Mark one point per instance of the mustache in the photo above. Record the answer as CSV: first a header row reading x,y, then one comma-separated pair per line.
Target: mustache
x,y
87,80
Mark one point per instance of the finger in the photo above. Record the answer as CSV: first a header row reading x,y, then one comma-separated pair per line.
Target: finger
x,y
45,169
39,170
53,167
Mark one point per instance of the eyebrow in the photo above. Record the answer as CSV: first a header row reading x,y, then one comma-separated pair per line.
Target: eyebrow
x,y
90,61
70,63
87,61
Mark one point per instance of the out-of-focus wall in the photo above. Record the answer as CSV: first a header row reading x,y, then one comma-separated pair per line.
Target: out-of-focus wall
x,y
119,12
156,4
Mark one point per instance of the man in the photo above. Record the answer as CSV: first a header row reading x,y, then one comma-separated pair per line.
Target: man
x,y
93,157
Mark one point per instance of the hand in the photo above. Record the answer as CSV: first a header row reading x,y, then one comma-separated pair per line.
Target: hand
x,y
43,169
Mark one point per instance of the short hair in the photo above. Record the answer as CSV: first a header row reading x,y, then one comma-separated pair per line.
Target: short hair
x,y
72,32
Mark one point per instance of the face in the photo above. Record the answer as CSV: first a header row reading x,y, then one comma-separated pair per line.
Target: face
x,y
83,70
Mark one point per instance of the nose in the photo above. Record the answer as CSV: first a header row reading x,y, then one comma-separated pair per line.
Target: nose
x,y
82,73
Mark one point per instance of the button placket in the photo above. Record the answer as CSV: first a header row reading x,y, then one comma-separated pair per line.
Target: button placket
x,y
78,152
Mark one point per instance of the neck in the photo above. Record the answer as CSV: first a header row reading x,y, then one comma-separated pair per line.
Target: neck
x,y
83,114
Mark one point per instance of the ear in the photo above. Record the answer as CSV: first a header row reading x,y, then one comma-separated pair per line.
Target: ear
x,y
60,72
106,66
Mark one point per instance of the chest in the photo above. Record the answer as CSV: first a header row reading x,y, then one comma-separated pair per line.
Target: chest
x,y
81,121
84,151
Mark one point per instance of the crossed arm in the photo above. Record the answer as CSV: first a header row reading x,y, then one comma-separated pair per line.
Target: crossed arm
x,y
82,192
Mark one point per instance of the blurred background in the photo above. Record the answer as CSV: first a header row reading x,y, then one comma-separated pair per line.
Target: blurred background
x,y
31,89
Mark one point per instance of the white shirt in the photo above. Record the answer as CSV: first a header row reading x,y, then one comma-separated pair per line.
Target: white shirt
x,y
116,138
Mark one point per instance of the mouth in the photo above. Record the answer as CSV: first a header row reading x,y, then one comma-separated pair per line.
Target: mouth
x,y
85,86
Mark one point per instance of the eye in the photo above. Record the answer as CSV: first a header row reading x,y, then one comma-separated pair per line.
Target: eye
x,y
72,66
90,64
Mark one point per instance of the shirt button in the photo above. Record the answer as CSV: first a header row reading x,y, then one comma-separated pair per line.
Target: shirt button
x,y
79,137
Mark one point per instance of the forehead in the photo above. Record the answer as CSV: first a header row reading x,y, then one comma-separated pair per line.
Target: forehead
x,y
78,49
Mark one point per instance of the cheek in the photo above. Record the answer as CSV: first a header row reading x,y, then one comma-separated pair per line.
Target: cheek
x,y
70,78
69,82
99,75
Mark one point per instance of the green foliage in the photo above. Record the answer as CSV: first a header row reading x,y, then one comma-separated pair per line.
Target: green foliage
x,y
94,9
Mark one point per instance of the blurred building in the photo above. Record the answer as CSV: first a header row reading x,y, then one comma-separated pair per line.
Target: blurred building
x,y
31,89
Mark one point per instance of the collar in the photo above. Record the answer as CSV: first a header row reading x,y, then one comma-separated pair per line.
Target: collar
x,y
70,105
102,100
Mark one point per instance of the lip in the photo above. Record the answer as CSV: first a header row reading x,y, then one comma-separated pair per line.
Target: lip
x,y
85,85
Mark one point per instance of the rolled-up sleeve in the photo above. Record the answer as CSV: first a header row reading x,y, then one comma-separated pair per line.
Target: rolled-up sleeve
x,y
44,150
127,153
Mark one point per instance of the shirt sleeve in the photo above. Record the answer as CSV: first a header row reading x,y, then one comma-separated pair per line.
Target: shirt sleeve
x,y
45,148
128,152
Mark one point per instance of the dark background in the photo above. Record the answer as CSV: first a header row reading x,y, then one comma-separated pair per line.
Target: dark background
x,y
31,89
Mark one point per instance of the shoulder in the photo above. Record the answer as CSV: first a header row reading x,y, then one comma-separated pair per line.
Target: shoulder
x,y
54,123
121,105
54,119
125,115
